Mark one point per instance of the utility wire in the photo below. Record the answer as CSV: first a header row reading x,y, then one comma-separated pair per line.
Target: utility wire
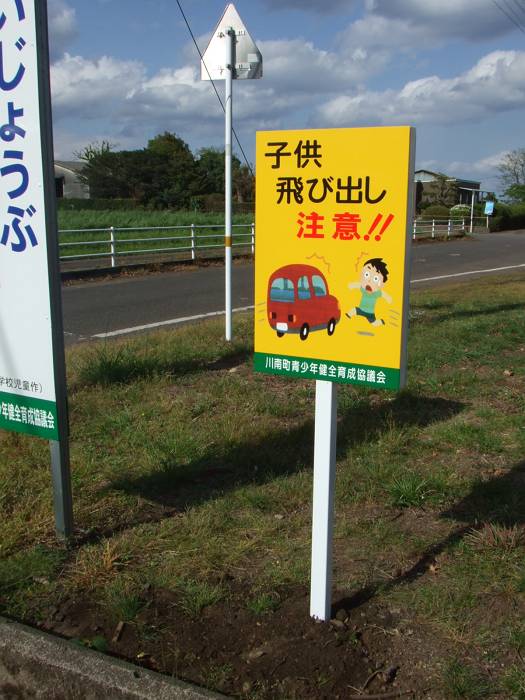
x,y
520,7
214,86
512,11
518,25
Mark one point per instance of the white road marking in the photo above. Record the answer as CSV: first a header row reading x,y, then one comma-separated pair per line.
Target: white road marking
x,y
186,319
171,322
470,272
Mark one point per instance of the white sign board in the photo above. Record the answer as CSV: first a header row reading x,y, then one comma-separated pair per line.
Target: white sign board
x,y
247,57
27,383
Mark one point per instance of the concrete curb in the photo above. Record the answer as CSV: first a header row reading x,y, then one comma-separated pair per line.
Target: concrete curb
x,y
37,665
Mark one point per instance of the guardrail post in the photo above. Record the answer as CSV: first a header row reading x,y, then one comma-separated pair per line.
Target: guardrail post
x,y
463,226
488,227
449,227
253,236
433,228
112,244
192,228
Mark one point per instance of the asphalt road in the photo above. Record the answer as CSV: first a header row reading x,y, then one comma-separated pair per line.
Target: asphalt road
x,y
125,305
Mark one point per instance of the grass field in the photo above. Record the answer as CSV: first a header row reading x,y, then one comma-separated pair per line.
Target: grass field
x,y
132,219
192,488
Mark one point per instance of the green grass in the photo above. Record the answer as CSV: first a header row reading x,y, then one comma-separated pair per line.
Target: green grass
x,y
197,595
122,600
410,489
461,681
264,603
192,474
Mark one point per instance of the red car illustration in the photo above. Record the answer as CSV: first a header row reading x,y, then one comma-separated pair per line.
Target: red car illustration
x,y
299,302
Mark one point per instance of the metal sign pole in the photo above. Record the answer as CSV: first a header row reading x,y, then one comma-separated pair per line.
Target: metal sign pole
x,y
240,59
323,499
60,468
230,39
62,496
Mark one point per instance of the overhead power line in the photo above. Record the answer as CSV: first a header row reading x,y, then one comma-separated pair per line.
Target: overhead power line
x,y
214,86
512,11
509,16
520,6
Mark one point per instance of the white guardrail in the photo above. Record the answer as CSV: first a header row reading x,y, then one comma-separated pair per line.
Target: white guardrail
x,y
184,243
447,228
193,241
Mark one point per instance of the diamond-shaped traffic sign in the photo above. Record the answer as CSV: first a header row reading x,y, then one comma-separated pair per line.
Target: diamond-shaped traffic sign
x,y
247,59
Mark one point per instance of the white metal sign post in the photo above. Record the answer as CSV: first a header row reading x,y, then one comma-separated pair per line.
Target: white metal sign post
x,y
32,368
323,498
231,55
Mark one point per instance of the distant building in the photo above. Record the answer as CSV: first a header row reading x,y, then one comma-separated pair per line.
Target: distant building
x,y
463,196
67,183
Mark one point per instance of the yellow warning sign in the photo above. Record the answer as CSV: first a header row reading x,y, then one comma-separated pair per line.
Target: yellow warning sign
x,y
333,229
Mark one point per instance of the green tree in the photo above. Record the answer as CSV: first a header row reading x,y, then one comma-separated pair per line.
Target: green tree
x,y
179,179
102,171
512,175
210,165
211,168
163,175
443,190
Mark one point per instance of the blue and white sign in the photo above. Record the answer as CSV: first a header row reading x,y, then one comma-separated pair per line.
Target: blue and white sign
x,y
489,208
27,379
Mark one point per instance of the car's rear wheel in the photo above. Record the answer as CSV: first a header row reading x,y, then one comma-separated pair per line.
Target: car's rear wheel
x,y
303,333
280,334
331,326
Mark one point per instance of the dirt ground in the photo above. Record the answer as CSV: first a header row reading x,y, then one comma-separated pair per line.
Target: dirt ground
x,y
365,651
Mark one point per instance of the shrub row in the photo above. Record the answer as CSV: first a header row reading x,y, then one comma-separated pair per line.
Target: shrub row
x,y
508,222
96,204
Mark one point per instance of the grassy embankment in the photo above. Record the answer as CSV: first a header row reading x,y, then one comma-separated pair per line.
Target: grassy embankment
x,y
93,219
192,476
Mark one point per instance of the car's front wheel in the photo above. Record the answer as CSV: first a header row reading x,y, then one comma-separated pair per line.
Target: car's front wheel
x,y
303,333
331,326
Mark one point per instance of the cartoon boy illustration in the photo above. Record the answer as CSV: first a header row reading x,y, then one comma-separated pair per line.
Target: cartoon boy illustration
x,y
373,276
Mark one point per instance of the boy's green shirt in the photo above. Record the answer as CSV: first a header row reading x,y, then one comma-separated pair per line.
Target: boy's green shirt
x,y
368,300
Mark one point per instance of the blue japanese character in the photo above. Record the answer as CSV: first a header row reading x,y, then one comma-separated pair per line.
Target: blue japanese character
x,y
20,10
21,243
16,168
10,130
9,84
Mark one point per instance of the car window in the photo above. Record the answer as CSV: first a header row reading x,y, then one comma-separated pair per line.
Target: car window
x,y
282,290
303,288
319,286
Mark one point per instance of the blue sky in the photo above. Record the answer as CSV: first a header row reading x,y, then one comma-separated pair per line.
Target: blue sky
x,y
124,70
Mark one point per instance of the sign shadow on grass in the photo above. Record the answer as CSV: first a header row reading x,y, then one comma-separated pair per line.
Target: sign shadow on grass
x,y
110,365
471,313
496,502
176,486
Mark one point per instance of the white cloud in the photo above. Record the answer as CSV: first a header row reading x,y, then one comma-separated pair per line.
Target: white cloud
x,y
445,19
297,75
298,66
483,167
391,27
62,27
495,84
318,6
92,89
